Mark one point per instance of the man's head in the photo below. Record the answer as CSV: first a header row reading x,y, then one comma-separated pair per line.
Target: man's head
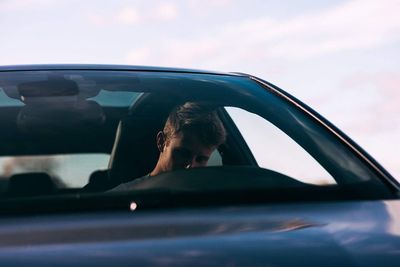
x,y
190,135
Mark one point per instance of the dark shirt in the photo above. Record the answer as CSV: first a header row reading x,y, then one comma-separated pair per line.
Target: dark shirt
x,y
130,185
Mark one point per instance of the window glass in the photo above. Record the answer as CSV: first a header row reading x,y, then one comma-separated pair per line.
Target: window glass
x,y
274,150
7,101
66,171
215,159
115,98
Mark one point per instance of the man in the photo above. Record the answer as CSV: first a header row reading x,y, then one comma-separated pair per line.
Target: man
x,y
190,135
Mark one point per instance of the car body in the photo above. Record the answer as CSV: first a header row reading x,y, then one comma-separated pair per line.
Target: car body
x,y
287,188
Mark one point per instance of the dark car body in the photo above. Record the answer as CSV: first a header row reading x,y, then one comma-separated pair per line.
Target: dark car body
x,y
201,219
329,234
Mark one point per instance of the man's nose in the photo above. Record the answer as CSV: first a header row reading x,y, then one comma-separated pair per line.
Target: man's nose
x,y
192,163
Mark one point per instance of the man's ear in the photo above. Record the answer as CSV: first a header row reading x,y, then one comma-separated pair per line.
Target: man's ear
x,y
160,141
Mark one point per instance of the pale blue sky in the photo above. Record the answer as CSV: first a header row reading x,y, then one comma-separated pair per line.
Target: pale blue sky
x,y
340,57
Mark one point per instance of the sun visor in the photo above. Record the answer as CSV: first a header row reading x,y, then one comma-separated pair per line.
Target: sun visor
x,y
55,89
32,88
62,118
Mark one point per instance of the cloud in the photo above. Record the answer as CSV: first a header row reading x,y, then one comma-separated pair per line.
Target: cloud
x,y
382,89
11,5
166,12
138,57
353,25
97,20
350,26
128,15
366,104
200,5
123,16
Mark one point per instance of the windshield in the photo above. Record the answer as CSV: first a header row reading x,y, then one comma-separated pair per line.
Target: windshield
x,y
83,132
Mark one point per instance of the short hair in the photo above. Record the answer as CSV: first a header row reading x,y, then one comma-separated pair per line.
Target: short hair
x,y
199,119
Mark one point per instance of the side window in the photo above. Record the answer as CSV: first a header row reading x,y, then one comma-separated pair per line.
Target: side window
x,y
215,159
275,150
66,171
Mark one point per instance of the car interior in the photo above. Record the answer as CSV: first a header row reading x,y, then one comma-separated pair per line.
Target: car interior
x,y
60,114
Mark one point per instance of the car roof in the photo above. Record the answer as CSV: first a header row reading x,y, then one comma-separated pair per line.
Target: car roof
x,y
43,67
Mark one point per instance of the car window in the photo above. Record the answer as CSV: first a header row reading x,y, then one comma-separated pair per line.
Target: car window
x,y
66,171
91,131
215,159
274,150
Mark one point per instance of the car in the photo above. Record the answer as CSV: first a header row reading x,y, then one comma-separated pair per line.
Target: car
x,y
286,188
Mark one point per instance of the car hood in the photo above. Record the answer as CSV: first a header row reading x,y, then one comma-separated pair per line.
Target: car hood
x,y
310,234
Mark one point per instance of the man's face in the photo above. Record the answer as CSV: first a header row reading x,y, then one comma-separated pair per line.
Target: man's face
x,y
184,150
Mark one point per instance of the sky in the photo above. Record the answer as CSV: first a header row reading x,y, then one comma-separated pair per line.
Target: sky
x,y
342,58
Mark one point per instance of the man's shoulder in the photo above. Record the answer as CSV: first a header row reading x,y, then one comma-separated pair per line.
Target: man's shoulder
x,y
130,185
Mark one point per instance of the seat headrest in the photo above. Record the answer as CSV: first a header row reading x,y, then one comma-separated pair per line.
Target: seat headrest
x,y
134,153
30,184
